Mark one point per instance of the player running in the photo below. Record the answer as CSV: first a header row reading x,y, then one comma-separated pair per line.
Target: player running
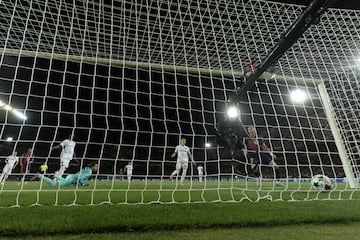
x,y
183,155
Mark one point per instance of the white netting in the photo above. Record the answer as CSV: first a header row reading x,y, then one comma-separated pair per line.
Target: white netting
x,y
130,77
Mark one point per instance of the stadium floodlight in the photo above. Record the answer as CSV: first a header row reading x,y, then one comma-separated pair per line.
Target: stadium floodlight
x,y
9,139
298,96
233,112
13,110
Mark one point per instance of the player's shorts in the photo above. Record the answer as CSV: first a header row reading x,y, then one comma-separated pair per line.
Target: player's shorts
x,y
180,165
258,158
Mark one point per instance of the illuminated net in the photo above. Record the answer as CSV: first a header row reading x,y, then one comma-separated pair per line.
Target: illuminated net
x,y
129,77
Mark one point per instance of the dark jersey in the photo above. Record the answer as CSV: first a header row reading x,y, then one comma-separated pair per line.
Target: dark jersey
x,y
254,145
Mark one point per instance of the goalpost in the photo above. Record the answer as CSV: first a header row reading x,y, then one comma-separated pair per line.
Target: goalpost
x,y
128,78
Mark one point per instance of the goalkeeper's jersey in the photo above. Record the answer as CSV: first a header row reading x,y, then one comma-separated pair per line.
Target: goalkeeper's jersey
x,y
81,176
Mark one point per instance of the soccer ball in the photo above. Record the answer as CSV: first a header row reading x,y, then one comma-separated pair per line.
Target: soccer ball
x,y
321,182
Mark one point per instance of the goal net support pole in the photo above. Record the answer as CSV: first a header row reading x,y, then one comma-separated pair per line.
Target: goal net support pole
x,y
337,136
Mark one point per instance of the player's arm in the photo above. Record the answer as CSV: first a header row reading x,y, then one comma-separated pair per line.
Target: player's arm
x,y
244,150
174,153
16,163
56,147
191,158
268,150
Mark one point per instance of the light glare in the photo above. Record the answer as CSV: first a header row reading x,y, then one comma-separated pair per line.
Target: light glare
x,y
13,110
233,112
19,115
298,96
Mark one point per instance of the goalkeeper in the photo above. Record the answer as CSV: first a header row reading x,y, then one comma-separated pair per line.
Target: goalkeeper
x,y
73,179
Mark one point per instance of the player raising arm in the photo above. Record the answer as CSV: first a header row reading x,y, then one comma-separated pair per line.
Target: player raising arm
x,y
183,155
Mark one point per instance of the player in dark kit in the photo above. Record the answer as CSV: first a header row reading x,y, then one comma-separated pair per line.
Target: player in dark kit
x,y
257,152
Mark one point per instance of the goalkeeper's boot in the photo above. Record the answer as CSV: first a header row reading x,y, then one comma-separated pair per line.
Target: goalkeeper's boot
x,y
181,184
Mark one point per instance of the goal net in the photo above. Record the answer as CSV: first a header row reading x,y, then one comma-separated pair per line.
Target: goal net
x,y
129,78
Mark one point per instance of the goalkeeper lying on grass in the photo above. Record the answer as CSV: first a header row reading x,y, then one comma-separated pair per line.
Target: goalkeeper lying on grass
x,y
76,179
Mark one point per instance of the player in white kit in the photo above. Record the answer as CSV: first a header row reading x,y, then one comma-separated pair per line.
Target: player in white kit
x,y
200,172
183,155
67,154
11,162
129,171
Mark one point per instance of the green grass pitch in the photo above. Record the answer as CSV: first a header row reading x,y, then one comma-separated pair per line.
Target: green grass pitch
x,y
158,209
118,192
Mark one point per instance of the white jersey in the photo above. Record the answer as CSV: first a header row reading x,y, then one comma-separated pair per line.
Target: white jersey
x,y
200,170
182,153
129,168
68,147
11,160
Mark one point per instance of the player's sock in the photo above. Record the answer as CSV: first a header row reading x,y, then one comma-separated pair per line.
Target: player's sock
x,y
174,173
277,174
183,175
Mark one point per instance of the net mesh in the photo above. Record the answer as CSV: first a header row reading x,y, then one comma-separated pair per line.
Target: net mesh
x,y
129,77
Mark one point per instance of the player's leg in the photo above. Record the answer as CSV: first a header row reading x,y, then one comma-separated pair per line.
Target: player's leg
x,y
21,177
5,172
70,179
7,175
129,177
64,164
255,166
58,178
47,180
276,170
183,175
27,173
2,176
176,171
269,160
